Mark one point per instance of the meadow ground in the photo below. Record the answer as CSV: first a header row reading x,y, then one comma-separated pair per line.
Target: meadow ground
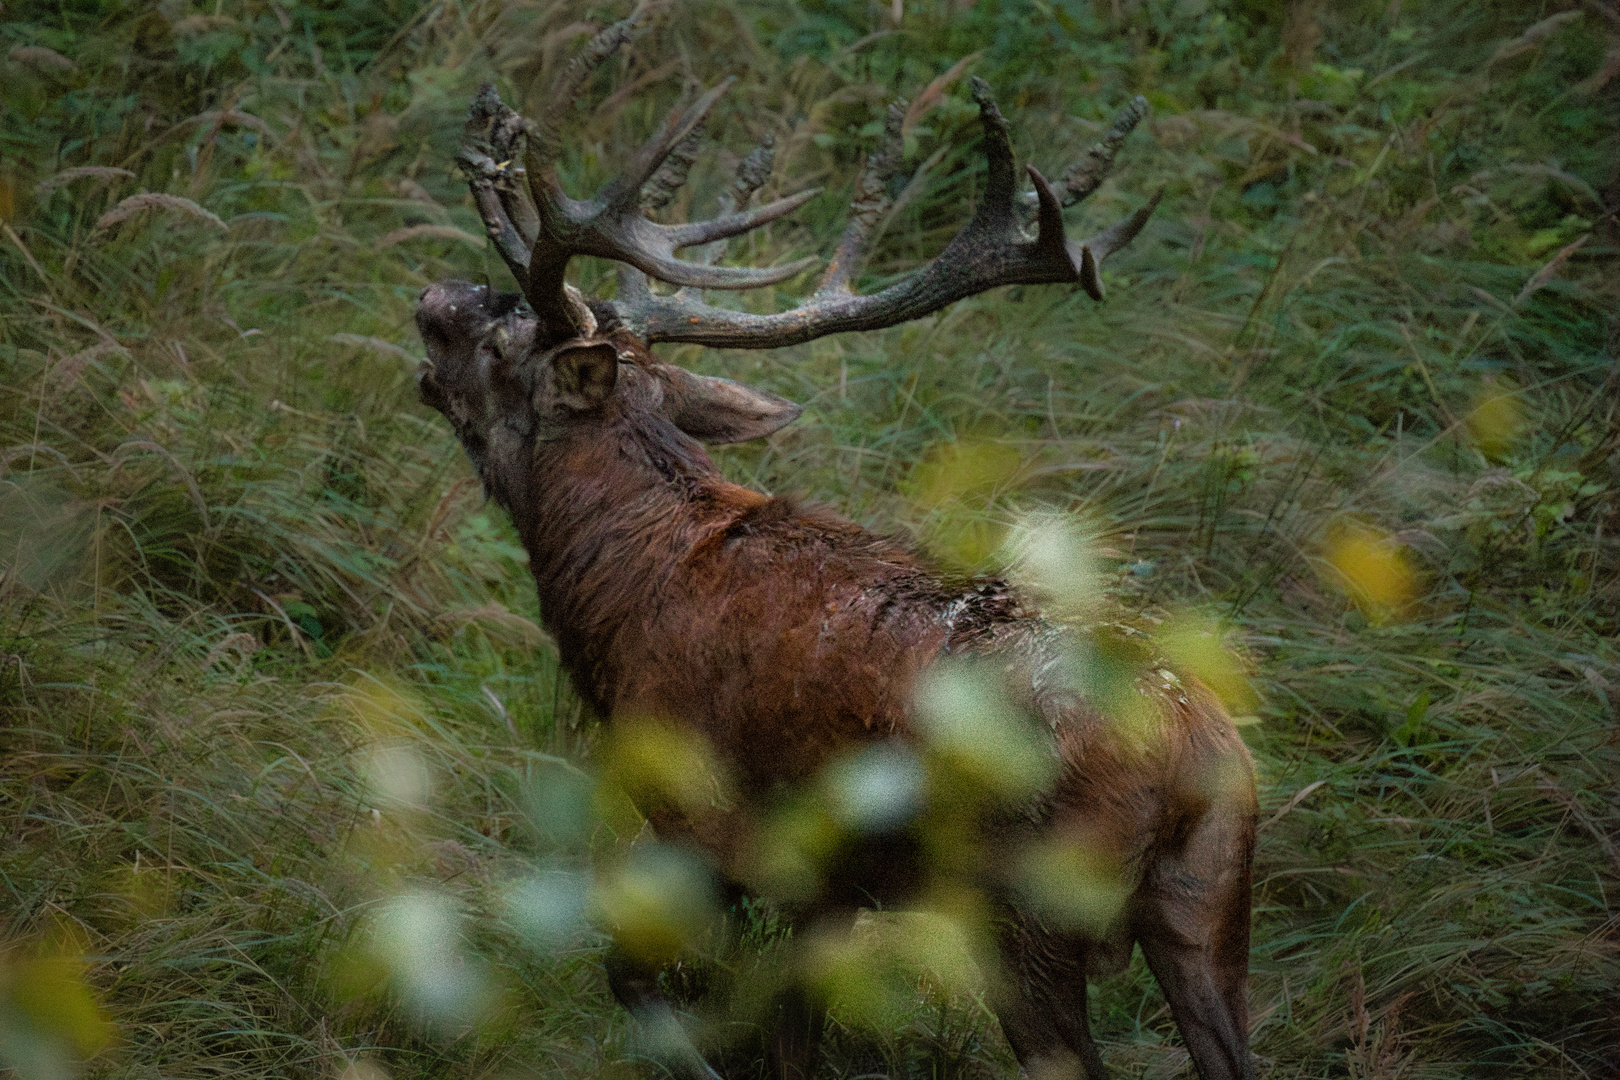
x,y
275,709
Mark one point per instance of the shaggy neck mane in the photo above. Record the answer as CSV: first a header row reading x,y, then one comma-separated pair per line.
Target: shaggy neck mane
x,y
612,513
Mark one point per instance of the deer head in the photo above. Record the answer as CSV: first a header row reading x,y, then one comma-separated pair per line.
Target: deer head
x,y
510,372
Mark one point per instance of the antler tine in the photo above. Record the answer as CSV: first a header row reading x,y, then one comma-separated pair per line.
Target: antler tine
x,y
506,134
870,202
991,249
996,208
486,155
657,164
660,191
677,130
545,143
650,247
1091,252
489,151
752,172
644,170
702,232
1087,174
545,135
1084,177
613,226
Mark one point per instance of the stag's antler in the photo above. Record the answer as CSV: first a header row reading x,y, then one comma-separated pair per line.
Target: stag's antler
x,y
537,228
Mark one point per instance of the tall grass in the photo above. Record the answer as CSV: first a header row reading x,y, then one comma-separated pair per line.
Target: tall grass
x,y
242,566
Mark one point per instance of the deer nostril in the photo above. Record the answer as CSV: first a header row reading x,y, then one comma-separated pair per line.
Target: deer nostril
x,y
441,310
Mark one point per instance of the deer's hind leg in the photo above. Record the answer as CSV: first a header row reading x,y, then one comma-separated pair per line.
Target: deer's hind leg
x,y
1041,1002
1194,932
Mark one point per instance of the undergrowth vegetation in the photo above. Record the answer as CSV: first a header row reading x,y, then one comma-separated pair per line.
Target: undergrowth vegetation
x,y
273,690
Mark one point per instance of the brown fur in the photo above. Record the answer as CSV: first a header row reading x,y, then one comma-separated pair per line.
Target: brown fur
x,y
786,635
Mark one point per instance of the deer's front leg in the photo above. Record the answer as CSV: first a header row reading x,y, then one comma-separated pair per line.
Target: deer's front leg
x,y
636,987
796,1041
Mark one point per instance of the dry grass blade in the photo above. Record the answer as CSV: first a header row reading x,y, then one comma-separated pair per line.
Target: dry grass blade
x,y
376,344
215,118
523,631
42,58
432,232
1534,36
1541,277
1573,805
155,200
934,93
1298,797
82,172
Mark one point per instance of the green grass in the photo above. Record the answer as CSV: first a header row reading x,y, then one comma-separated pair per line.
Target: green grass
x,y
240,560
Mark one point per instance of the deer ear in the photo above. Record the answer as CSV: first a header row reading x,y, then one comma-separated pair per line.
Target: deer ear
x,y
716,410
584,373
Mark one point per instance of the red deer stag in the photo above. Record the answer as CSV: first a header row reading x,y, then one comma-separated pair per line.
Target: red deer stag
x,y
788,637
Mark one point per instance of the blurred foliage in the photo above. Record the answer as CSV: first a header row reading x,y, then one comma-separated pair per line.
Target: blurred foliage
x,y
1373,568
49,1017
287,767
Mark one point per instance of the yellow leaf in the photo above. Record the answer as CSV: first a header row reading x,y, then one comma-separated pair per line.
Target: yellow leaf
x,y
656,902
958,481
1195,647
960,467
50,992
660,765
1495,422
1373,568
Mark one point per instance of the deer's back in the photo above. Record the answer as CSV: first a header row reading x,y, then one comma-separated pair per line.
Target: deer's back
x,y
783,634
786,635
